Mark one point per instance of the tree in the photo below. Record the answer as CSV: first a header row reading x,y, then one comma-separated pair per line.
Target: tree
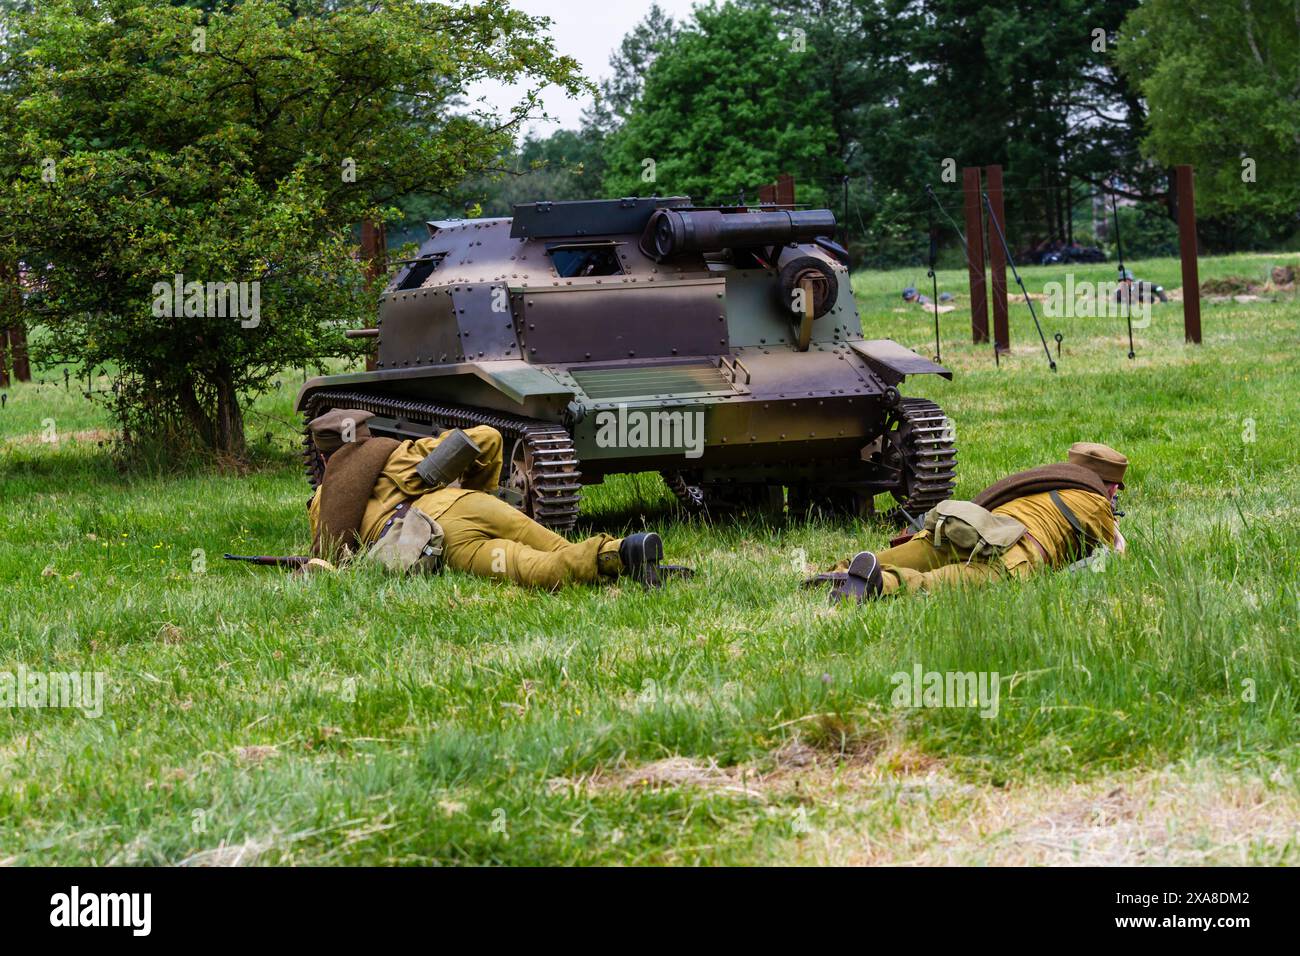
x,y
1222,80
234,147
912,84
726,106
621,91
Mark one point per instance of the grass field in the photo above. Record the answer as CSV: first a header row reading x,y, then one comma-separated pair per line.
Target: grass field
x,y
1148,713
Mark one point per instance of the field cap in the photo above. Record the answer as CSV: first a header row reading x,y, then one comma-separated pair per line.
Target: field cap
x,y
1108,464
327,430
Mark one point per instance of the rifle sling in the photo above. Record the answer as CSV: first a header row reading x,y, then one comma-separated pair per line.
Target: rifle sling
x,y
1073,520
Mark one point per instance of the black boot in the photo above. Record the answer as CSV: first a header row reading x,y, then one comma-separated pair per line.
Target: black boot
x,y
863,580
641,554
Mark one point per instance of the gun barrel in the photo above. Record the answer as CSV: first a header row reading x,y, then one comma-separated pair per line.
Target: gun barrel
x,y
672,231
279,561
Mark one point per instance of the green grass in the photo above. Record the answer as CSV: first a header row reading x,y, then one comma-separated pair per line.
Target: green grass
x,y
413,721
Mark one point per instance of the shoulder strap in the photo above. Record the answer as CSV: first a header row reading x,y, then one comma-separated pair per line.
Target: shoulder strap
x,y
1073,520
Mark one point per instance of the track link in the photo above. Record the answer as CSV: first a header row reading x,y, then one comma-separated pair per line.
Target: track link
x,y
924,442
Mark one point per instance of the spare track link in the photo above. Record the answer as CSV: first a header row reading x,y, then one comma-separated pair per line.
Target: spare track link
x,y
554,484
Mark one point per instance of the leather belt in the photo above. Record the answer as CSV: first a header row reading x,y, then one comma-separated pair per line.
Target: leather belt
x,y
1041,550
397,513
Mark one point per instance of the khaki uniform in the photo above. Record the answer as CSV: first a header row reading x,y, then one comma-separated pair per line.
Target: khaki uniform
x,y
919,566
483,534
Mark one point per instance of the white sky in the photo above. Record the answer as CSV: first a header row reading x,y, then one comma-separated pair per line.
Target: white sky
x,y
587,30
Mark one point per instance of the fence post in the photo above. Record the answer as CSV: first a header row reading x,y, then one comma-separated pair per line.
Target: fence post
x,y
979,305
1187,248
18,346
998,262
12,330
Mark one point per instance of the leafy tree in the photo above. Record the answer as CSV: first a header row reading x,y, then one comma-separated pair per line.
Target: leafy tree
x,y
1145,232
1223,83
910,84
726,106
141,140
621,91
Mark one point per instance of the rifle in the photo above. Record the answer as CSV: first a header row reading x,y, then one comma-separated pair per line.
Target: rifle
x,y
295,562
1099,556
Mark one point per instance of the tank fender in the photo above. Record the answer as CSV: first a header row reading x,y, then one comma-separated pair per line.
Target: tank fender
x,y
892,362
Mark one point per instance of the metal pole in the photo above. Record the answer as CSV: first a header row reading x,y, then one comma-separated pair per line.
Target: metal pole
x,y
934,282
1127,294
844,223
998,262
979,303
1051,363
1187,249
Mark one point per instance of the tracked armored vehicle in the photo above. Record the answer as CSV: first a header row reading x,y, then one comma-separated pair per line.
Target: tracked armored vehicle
x,y
718,346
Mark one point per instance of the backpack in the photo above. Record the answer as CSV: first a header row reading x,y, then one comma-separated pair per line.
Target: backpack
x,y
972,529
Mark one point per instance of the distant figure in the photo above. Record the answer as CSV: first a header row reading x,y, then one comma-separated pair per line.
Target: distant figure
x,y
1138,290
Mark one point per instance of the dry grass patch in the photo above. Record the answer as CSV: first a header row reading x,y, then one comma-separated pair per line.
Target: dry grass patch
x,y
795,769
1189,816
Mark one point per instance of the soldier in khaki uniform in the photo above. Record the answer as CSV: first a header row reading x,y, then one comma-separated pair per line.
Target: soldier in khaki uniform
x,y
1071,515
482,534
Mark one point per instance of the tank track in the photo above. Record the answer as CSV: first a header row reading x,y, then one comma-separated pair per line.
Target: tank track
x,y
929,452
691,496
554,489
924,450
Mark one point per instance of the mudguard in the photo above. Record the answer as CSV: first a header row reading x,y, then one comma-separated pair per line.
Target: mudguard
x,y
892,362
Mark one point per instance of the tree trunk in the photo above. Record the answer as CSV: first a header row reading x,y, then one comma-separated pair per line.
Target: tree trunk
x,y
194,413
228,425
1069,209
221,428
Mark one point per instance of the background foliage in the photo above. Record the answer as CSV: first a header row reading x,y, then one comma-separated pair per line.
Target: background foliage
x,y
242,142
225,163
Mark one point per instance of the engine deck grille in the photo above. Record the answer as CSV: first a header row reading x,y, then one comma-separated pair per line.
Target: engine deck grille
x,y
641,381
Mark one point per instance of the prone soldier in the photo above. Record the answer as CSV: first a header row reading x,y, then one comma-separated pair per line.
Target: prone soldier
x,y
1045,517
425,502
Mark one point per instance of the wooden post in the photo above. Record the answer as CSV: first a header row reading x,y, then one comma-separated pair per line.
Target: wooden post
x,y
18,346
779,193
998,261
1187,248
785,190
374,250
12,332
979,304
